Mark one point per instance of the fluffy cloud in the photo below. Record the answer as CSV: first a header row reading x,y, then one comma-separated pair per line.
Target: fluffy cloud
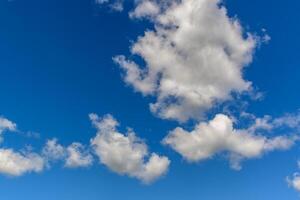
x,y
53,150
78,156
16,163
194,57
218,136
125,154
74,155
146,8
6,124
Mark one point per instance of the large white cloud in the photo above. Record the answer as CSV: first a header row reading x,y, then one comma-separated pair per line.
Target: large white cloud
x,y
194,57
218,136
125,154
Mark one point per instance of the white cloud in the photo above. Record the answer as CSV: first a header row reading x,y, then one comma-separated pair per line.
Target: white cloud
x,y
145,8
53,150
268,123
194,57
6,125
294,181
74,155
289,120
125,154
116,5
78,156
219,136
16,163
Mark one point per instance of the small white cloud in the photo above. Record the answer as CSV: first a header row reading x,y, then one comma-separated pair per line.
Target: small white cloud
x,y
74,155
219,136
6,125
145,8
15,164
294,181
78,156
125,154
53,151
116,5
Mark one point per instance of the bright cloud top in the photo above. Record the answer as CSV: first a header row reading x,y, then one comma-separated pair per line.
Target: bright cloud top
x,y
125,154
194,57
218,136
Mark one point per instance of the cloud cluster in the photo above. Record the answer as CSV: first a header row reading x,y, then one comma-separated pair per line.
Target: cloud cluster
x,y
122,153
125,154
218,136
18,162
194,58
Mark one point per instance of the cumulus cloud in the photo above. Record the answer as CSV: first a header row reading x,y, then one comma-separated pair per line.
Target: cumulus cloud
x,y
125,154
194,57
17,163
78,156
75,155
218,136
53,151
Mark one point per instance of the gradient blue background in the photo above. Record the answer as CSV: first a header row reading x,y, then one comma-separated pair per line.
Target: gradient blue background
x,y
56,68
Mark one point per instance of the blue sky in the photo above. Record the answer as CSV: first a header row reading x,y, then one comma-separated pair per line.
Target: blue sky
x,y
56,61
